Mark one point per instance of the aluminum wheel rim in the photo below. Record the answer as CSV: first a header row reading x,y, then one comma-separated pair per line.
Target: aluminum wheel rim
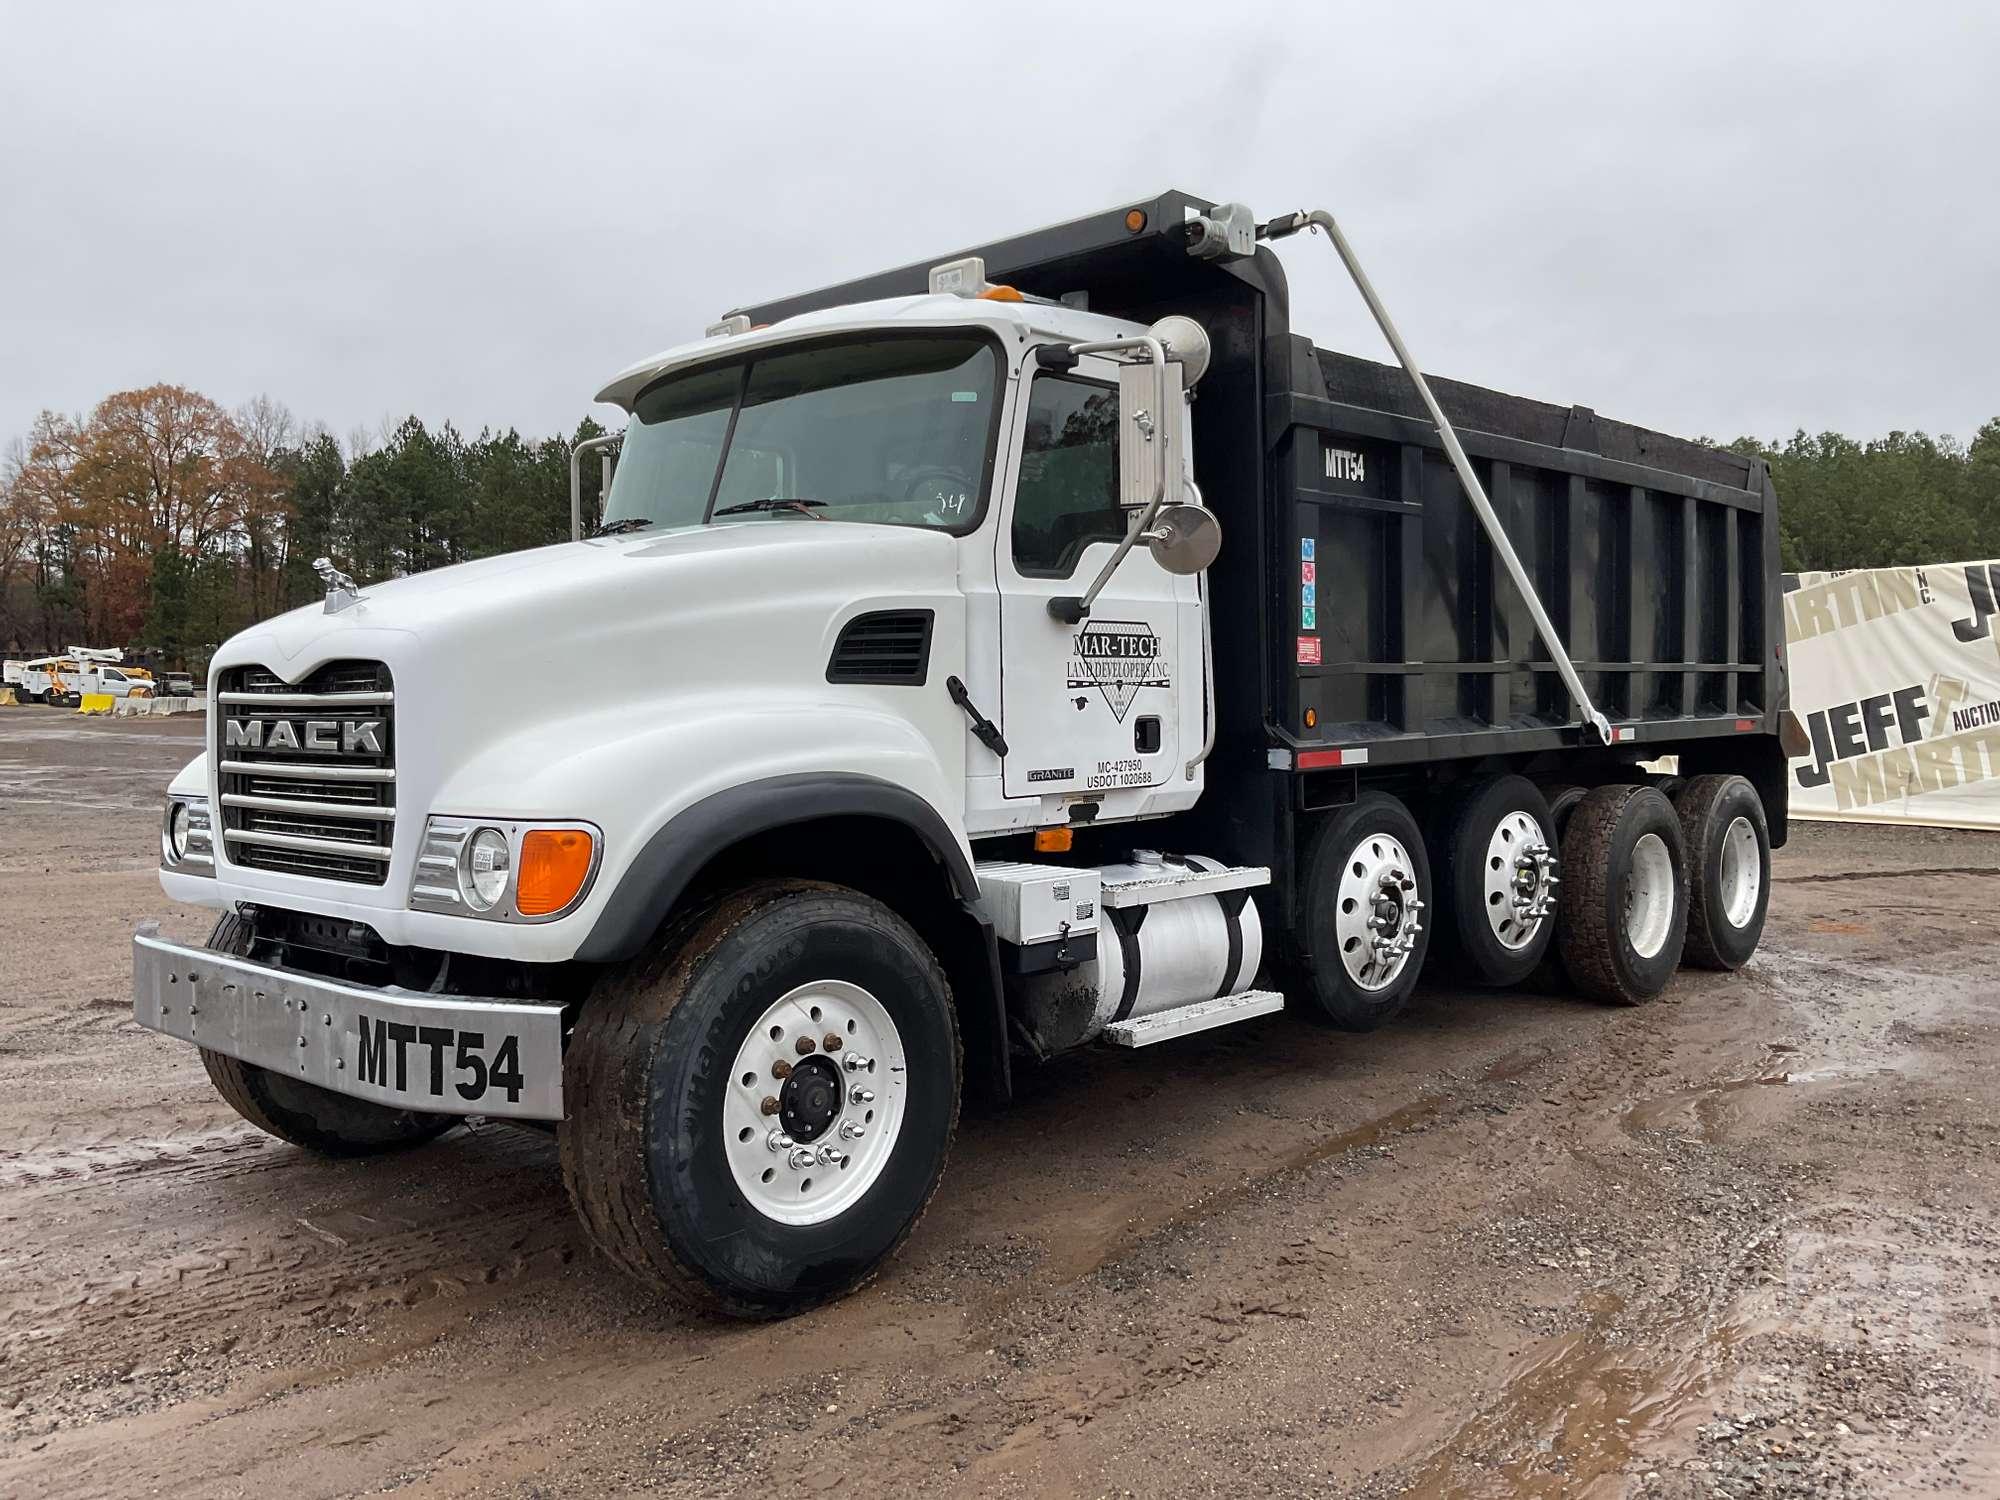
x,y
1742,873
1374,946
1649,896
1518,884
801,1182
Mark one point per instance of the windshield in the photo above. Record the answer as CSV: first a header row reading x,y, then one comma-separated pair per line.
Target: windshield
x,y
894,429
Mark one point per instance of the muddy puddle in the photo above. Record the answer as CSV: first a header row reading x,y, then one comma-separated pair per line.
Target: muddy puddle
x,y
1577,1410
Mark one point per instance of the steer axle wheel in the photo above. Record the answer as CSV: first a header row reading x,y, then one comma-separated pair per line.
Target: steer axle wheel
x,y
760,1110
293,1110
1624,913
807,1132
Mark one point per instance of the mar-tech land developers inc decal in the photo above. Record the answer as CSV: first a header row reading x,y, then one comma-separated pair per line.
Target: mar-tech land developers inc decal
x,y
1118,658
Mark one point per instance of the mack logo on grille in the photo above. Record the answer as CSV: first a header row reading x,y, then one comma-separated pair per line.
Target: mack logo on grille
x,y
330,736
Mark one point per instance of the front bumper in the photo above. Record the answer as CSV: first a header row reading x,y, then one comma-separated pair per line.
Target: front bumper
x,y
434,1054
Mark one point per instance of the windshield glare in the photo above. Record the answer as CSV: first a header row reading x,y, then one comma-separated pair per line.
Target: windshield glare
x,y
895,430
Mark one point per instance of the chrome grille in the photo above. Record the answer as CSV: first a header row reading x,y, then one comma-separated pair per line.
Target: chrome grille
x,y
307,771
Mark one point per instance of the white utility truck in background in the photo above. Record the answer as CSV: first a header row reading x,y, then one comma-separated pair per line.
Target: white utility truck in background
x,y
1037,648
64,680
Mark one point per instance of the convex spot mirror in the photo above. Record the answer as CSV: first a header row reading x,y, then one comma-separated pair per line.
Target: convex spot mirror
x,y
1184,538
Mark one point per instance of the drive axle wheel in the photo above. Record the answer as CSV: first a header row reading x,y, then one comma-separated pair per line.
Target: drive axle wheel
x,y
1497,880
1729,869
1368,884
1624,907
760,1109
291,1109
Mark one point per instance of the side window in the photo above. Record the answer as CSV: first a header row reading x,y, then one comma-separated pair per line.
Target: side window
x,y
1068,494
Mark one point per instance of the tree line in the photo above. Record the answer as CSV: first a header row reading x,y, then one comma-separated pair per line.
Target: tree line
x,y
163,523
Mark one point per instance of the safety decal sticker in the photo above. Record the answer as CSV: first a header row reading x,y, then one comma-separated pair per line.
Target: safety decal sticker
x,y
1118,657
1308,650
1306,548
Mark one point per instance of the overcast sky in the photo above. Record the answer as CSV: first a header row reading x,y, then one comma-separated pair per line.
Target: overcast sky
x,y
1710,219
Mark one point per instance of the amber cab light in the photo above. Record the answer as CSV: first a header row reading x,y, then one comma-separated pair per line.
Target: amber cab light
x,y
555,862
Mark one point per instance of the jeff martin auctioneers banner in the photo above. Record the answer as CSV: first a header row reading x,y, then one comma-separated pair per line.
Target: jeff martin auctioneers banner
x,y
1896,674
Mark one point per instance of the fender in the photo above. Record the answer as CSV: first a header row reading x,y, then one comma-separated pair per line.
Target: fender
x,y
659,874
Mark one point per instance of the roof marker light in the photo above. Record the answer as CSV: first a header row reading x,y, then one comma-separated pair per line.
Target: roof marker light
x,y
960,278
728,327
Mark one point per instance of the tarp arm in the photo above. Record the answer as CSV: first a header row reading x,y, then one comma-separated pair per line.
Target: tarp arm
x,y
1319,218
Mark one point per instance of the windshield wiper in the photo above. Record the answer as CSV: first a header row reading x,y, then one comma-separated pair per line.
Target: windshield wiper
x,y
622,525
775,502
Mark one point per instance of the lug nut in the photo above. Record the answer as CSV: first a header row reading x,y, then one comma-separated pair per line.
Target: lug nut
x,y
828,1157
832,1041
770,1104
805,1045
859,1095
777,1140
801,1158
855,1063
849,1131
781,1069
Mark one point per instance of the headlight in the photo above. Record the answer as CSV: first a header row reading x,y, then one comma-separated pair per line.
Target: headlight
x,y
186,841
504,872
483,869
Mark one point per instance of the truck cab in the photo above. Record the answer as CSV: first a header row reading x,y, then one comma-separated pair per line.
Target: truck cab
x,y
980,695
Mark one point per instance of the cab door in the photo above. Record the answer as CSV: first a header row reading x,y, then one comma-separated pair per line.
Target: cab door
x,y
1096,706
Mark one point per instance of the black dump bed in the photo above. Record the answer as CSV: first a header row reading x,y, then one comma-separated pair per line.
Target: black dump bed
x,y
1358,605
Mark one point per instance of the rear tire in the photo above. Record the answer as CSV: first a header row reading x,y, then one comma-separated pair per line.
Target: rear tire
x,y
1624,895
1375,839
325,1123
666,1150
1493,939
1729,869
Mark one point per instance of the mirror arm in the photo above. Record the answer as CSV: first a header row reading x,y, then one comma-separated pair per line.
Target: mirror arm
x,y
1073,609
606,442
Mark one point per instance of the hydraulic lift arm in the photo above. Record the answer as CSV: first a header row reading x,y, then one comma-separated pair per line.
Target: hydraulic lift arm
x,y
1288,224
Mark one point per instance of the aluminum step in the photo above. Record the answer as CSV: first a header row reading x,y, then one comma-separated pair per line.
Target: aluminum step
x,y
1203,1015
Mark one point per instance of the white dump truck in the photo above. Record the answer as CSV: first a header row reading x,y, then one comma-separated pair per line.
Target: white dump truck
x,y
1035,648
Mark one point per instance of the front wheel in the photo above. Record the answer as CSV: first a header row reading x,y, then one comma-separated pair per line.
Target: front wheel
x,y
320,1121
760,1111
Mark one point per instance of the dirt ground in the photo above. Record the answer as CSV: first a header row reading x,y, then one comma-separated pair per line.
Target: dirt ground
x,y
1741,1241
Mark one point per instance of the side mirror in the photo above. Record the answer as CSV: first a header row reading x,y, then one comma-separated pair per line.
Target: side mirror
x,y
1151,451
1184,538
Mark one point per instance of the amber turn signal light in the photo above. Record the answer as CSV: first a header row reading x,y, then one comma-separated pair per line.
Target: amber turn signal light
x,y
1052,840
555,862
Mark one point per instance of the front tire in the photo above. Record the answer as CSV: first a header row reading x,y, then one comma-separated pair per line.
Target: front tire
x,y
683,1173
1729,869
1367,887
1624,906
320,1121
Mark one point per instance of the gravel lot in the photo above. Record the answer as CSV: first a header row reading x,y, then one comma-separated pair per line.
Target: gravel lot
x,y
1739,1242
